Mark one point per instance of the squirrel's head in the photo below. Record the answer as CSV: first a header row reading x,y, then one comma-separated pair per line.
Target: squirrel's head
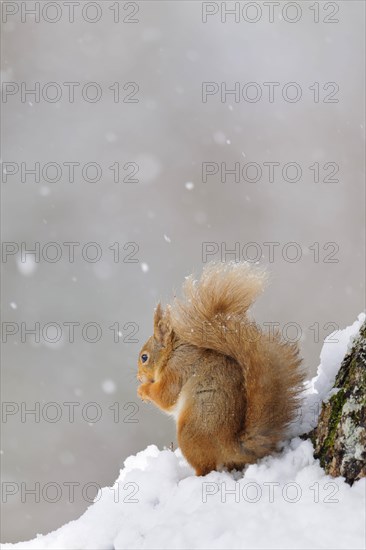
x,y
156,351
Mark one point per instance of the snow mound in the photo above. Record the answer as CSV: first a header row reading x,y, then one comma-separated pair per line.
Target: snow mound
x,y
283,501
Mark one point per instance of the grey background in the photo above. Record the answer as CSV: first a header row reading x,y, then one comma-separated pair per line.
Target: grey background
x,y
169,133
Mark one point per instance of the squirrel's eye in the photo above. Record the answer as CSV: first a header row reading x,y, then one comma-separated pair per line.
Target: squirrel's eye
x,y
144,357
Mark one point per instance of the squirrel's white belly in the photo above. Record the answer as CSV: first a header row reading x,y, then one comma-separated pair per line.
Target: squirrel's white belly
x,y
176,410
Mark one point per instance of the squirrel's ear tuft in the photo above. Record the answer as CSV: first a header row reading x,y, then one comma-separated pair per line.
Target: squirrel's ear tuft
x,y
162,328
158,316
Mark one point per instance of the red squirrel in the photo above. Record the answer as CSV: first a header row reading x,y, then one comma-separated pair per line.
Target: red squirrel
x,y
232,388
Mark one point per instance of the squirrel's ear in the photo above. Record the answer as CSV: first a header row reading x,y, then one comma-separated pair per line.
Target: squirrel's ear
x,y
162,329
157,318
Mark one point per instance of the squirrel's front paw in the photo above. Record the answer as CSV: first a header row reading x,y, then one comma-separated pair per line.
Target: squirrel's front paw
x,y
142,391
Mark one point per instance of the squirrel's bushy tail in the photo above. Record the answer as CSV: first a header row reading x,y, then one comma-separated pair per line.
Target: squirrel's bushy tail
x,y
213,315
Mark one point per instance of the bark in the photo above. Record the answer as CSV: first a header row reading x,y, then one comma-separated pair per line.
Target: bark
x,y
340,438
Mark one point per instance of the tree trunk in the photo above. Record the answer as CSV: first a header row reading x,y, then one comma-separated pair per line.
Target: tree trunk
x,y
340,438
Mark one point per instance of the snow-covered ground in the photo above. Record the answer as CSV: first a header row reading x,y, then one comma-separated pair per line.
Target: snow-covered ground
x,y
283,501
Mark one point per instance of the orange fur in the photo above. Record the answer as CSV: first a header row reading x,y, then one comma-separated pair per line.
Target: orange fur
x,y
233,389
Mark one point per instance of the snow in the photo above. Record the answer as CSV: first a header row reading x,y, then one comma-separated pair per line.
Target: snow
x,y
283,501
28,266
109,386
44,191
219,137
